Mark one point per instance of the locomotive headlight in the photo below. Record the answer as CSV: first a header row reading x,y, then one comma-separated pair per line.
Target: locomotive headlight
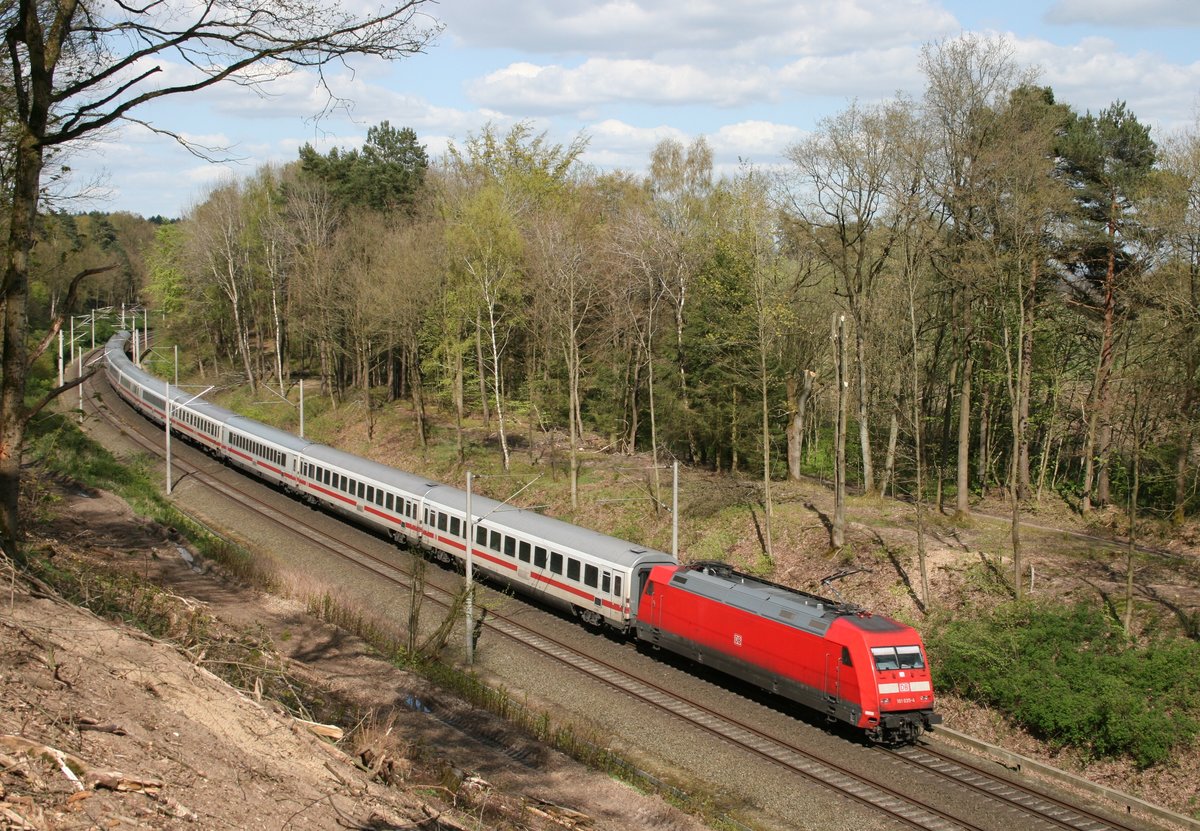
x,y
885,701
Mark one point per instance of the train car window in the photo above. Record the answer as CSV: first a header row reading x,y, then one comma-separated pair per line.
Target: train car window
x,y
455,526
481,535
390,503
495,542
556,563
362,490
846,662
523,552
606,583
370,493
441,522
649,589
572,569
539,557
591,576
510,547
328,477
379,497
617,585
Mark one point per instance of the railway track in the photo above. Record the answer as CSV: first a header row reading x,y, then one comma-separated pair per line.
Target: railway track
x,y
1057,813
873,791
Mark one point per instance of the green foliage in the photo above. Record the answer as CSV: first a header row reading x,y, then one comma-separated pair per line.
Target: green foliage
x,y
1068,676
386,175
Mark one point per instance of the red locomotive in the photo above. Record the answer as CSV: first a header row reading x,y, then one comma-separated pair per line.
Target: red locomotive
x,y
866,670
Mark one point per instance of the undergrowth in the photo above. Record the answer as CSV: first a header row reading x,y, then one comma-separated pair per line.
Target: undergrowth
x,y
1070,677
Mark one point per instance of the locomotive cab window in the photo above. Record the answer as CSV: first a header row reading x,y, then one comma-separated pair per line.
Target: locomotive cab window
x,y
846,662
885,658
910,657
897,657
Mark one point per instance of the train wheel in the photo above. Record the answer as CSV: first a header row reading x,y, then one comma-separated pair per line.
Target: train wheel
x,y
590,617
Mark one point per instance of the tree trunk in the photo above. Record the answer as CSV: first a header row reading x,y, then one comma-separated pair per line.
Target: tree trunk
x,y
15,357
766,446
482,372
889,463
1026,382
799,390
838,529
418,397
962,506
864,409
496,388
1099,431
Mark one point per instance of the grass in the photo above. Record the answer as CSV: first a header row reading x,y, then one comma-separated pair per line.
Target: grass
x,y
246,661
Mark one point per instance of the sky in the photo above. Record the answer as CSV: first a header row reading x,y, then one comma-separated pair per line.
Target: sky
x,y
752,76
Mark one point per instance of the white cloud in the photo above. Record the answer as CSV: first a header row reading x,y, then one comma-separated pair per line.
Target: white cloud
x,y
754,141
525,87
763,29
869,74
1094,72
1142,14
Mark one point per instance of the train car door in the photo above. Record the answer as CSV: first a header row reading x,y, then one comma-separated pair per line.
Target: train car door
x,y
833,679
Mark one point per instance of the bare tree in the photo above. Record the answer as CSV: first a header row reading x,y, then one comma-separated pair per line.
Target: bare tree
x,y
967,78
77,67
840,192
220,251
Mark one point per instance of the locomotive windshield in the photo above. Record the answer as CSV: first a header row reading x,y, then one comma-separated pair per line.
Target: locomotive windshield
x,y
897,657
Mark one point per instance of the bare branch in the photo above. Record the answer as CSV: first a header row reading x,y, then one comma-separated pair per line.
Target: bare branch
x,y
67,304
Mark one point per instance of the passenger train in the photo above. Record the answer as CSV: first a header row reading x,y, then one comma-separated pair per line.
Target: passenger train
x,y
865,670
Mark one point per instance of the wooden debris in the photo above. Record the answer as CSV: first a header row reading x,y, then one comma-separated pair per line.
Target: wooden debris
x,y
325,731
73,768
14,820
87,723
114,780
70,765
558,814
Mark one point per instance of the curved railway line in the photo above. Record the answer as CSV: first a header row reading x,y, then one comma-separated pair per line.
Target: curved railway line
x,y
982,801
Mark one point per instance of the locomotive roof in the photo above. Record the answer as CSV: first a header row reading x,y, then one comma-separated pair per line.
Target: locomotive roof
x,y
791,607
537,525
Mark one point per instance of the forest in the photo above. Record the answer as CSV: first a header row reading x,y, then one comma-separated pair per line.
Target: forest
x,y
981,294
983,291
